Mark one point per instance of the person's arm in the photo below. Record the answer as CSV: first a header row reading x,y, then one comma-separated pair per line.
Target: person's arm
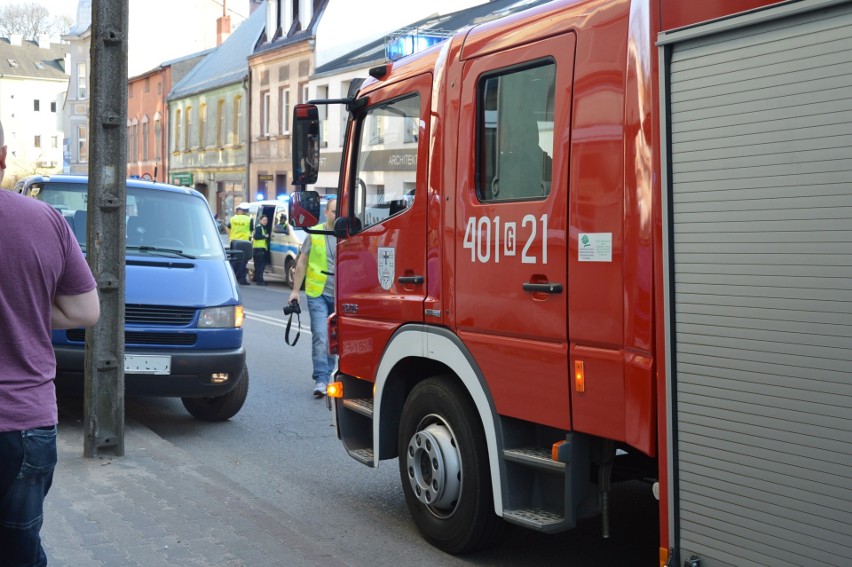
x,y
72,311
298,278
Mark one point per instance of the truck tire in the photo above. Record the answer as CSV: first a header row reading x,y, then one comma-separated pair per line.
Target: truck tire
x,y
220,408
443,466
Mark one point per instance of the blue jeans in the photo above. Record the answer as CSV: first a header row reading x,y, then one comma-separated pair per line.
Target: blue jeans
x,y
320,308
27,460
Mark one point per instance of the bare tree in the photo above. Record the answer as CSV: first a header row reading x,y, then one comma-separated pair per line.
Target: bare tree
x,y
31,20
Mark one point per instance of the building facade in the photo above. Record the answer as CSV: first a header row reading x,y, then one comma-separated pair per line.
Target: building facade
x,y
279,69
148,117
208,117
33,82
190,26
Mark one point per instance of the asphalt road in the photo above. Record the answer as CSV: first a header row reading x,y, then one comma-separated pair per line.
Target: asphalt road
x,y
282,448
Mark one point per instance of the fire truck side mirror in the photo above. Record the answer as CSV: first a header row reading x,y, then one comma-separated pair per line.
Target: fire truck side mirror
x,y
304,209
306,144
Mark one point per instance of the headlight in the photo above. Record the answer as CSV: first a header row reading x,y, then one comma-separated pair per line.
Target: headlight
x,y
221,317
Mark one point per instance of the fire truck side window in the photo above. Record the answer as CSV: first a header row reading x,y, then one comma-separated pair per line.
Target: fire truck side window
x,y
515,134
386,160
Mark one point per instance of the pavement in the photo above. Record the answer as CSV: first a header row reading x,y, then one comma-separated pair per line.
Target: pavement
x,y
157,505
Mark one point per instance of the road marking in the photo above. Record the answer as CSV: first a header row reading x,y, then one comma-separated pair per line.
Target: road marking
x,y
276,321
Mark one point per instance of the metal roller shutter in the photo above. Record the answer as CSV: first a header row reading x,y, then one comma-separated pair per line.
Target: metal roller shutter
x,y
760,176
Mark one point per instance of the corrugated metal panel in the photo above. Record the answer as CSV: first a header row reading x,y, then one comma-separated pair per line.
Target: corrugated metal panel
x,y
761,243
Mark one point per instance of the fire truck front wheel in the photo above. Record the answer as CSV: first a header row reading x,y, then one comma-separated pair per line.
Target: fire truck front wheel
x,y
444,469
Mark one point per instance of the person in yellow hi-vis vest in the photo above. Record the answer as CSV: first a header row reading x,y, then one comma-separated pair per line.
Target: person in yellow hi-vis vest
x,y
316,260
260,249
240,228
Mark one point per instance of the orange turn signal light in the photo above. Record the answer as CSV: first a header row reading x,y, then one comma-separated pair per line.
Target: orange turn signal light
x,y
335,390
554,450
579,376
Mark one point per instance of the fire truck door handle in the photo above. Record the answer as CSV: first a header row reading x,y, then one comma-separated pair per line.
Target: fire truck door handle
x,y
410,279
543,287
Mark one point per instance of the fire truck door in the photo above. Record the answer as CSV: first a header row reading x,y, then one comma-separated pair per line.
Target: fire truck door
x,y
385,259
511,226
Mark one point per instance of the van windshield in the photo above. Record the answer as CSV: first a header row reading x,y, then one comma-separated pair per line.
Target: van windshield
x,y
158,223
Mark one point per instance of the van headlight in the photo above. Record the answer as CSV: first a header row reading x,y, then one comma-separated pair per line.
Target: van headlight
x,y
227,317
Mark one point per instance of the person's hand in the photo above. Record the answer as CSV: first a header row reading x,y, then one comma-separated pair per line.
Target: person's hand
x,y
293,295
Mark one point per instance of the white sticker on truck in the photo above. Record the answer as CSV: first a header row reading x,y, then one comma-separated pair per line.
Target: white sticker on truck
x,y
387,266
490,239
594,247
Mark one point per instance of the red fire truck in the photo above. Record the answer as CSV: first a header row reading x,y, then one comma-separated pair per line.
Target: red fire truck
x,y
605,239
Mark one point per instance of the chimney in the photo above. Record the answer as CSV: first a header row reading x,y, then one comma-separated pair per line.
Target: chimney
x,y
44,41
223,25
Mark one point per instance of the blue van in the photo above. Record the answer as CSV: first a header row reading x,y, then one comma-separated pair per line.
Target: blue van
x,y
183,315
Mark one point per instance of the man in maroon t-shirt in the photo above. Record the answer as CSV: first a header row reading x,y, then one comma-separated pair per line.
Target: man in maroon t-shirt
x,y
44,283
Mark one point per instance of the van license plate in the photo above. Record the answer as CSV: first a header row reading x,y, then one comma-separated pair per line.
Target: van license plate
x,y
145,364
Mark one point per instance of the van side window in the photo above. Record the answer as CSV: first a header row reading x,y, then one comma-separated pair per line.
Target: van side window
x,y
386,160
515,134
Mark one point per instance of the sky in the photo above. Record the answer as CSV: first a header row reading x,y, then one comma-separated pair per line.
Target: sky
x,y
62,7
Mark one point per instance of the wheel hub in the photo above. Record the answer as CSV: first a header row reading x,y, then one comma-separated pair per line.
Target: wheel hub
x,y
433,465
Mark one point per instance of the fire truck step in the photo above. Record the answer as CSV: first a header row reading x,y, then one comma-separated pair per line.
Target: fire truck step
x,y
537,457
535,518
364,456
364,406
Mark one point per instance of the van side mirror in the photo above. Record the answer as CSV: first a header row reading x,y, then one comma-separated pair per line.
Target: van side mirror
x,y
304,209
306,144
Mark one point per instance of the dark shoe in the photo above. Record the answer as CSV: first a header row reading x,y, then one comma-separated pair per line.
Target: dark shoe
x,y
244,282
260,283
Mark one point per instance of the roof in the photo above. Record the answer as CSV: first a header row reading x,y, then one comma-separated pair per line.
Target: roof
x,y
295,36
31,61
228,63
373,53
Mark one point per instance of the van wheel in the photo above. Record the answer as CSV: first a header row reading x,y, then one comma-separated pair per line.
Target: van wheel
x,y
289,272
220,408
443,466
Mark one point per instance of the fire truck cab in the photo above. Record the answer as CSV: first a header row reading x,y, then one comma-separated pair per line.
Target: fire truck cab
x,y
507,265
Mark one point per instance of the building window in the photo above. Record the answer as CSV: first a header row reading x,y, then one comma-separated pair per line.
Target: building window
x,y
158,138
133,148
177,130
188,132
36,105
283,73
202,126
284,111
220,123
37,141
53,106
264,113
54,142
238,119
264,77
82,82
145,139
303,93
322,92
147,84
82,144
